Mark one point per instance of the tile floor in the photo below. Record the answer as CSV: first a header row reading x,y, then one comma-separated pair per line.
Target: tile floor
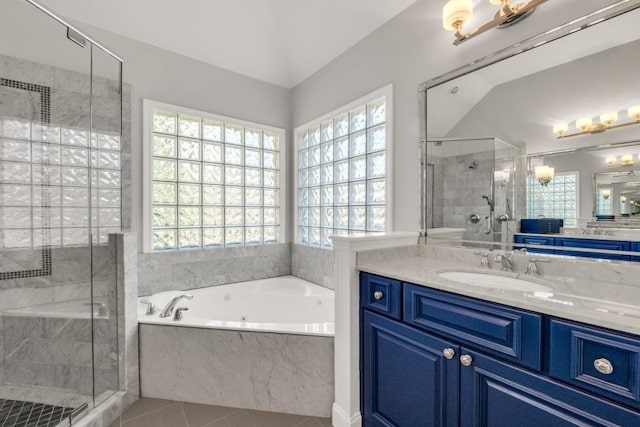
x,y
167,413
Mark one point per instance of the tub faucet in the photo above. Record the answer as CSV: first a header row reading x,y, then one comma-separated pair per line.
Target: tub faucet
x,y
505,261
168,309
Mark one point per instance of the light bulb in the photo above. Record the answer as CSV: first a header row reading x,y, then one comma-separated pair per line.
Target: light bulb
x,y
560,129
610,161
634,113
456,13
626,160
609,118
584,124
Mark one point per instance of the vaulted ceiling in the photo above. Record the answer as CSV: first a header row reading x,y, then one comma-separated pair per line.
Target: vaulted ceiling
x,y
277,41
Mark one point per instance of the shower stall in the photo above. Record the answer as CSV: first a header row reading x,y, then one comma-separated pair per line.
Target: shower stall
x,y
471,184
60,199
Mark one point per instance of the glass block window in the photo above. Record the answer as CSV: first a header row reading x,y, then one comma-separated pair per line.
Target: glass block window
x,y
342,172
57,183
604,201
214,181
559,199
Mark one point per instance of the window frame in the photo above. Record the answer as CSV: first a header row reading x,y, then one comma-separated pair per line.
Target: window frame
x,y
387,92
148,106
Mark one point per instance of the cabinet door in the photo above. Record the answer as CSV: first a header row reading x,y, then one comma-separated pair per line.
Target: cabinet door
x,y
407,382
609,245
494,393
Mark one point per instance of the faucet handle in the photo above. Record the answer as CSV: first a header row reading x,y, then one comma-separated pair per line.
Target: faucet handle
x,y
178,314
484,261
532,267
151,309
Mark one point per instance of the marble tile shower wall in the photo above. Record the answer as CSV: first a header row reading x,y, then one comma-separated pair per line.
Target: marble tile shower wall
x,y
181,270
71,266
312,264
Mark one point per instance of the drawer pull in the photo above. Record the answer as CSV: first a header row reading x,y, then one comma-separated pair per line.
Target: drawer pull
x,y
378,295
466,360
448,353
603,366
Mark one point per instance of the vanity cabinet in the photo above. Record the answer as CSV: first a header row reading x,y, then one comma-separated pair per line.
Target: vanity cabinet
x,y
449,360
579,242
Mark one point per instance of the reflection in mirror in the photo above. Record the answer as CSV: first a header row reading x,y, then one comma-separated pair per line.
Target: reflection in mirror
x,y
555,130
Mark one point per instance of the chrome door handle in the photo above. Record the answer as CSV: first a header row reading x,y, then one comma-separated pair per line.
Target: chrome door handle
x,y
378,295
603,366
448,353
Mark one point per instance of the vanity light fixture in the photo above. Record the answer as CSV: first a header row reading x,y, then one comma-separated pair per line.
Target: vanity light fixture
x,y
623,199
626,160
544,174
610,161
457,13
606,194
607,121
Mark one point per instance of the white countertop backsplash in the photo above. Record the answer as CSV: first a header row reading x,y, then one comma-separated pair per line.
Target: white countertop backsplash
x,y
600,293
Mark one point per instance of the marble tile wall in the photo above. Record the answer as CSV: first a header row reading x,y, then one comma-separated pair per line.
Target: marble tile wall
x,y
312,264
181,270
241,369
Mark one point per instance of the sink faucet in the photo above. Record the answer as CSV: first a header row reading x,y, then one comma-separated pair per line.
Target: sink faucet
x,y
168,309
532,267
505,261
484,261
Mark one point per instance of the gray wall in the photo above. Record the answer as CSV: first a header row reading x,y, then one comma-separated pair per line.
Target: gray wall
x,y
408,50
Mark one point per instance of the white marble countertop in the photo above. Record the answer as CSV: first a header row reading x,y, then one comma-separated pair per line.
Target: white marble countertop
x,y
585,236
600,303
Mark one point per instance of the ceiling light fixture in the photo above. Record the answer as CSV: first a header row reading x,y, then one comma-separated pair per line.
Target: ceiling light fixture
x,y
457,13
606,194
607,120
544,174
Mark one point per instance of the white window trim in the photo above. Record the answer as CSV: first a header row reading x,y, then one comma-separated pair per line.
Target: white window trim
x,y
148,105
386,91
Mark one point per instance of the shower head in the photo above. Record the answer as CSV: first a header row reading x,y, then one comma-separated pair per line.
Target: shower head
x,y
473,165
489,201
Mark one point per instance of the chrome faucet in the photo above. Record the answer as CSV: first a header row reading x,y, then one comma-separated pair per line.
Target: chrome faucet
x,y
168,309
532,267
505,261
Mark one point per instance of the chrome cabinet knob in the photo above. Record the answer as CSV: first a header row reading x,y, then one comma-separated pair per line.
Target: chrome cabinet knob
x,y
466,360
378,295
603,366
448,353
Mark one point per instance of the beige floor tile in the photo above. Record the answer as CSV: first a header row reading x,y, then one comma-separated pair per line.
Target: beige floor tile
x,y
239,418
169,416
274,419
143,406
315,422
201,415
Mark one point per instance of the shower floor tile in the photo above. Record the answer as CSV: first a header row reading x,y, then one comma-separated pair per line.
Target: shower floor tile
x,y
19,413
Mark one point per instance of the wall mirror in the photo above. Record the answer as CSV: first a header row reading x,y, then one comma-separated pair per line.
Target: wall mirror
x,y
541,139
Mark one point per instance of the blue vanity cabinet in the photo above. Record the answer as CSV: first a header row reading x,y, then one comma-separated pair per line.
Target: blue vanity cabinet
x,y
442,359
609,245
635,247
535,240
406,379
494,393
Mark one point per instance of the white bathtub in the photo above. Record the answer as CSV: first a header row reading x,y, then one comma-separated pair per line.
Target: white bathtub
x,y
264,345
281,304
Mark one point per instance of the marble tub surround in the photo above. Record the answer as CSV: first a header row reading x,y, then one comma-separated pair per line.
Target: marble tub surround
x,y
190,269
312,264
253,370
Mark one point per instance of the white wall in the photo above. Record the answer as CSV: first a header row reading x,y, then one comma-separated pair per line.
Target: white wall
x,y
407,51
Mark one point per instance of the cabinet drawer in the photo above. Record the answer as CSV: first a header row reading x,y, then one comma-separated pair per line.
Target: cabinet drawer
x,y
596,360
509,333
381,294
535,240
609,245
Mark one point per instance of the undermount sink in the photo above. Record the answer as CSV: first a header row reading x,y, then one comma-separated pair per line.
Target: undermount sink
x,y
494,281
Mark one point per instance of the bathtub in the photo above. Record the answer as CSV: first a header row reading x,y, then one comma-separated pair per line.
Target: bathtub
x,y
264,344
281,304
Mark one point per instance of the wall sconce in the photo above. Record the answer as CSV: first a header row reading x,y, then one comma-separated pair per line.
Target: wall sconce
x,y
607,120
605,194
457,13
544,175
623,199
